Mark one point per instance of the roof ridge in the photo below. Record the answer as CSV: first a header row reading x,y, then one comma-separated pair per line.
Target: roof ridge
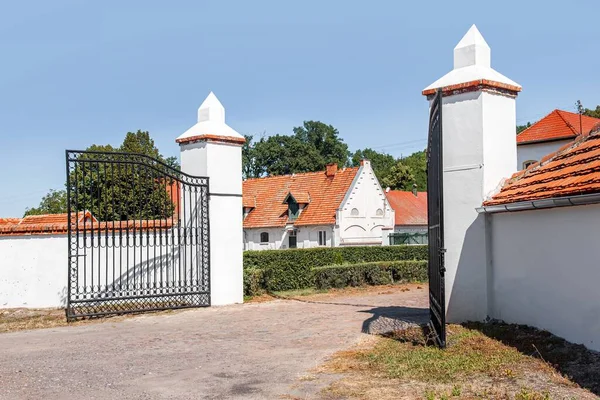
x,y
560,114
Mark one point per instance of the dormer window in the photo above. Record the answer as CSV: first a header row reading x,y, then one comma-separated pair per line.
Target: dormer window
x,y
296,202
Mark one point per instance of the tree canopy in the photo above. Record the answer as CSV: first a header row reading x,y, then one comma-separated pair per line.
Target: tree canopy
x,y
55,202
315,144
116,191
312,146
592,113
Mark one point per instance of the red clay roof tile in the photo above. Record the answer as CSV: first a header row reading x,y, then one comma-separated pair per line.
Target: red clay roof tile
x,y
573,170
409,209
556,126
325,195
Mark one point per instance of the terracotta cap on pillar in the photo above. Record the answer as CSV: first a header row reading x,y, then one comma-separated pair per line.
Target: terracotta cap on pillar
x,y
472,70
211,125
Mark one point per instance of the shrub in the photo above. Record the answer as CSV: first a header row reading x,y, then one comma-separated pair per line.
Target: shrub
x,y
375,273
254,284
293,269
320,257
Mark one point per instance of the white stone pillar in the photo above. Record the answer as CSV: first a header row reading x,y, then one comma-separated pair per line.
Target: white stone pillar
x,y
212,149
479,140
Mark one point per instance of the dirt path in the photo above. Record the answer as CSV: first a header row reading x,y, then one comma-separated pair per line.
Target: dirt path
x,y
253,351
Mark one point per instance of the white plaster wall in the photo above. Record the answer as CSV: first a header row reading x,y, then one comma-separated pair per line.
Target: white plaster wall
x,y
536,151
306,237
33,271
499,139
546,271
464,228
366,195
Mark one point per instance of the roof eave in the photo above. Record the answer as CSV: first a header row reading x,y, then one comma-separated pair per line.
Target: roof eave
x,y
570,137
553,202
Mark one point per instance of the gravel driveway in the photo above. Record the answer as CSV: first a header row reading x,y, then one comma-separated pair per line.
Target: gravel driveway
x,y
250,351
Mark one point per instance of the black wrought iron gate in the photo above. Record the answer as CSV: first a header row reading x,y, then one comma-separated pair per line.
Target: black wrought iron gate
x,y
435,216
138,235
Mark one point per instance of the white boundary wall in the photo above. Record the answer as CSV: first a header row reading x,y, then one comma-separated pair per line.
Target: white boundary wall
x,y
33,271
546,271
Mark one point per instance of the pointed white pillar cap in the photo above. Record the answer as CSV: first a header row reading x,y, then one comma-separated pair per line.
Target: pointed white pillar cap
x,y
211,125
472,65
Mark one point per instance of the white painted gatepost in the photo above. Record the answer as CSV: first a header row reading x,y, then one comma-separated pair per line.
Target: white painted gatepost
x,y
211,148
479,150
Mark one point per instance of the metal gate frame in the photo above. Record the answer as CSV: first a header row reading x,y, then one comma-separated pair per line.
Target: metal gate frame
x,y
435,217
138,235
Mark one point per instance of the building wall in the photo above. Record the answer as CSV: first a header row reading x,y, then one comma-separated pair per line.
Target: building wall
x,y
536,151
306,237
545,271
364,211
33,271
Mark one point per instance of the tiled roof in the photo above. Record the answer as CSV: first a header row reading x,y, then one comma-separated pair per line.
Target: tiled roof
x,y
573,170
326,194
555,126
301,197
53,224
409,209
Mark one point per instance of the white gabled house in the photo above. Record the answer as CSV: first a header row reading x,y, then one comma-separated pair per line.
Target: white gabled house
x,y
335,207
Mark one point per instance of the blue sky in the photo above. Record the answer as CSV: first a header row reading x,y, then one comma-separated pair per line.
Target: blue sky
x,y
75,73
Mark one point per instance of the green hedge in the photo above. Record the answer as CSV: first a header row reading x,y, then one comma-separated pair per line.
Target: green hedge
x,y
292,269
374,273
254,282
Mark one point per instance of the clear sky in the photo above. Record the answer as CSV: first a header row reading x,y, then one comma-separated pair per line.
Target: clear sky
x,y
76,73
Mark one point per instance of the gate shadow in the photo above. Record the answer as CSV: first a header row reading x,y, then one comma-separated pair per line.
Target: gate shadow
x,y
393,318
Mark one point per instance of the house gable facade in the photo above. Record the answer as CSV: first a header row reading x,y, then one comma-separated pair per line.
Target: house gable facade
x,y
365,211
329,208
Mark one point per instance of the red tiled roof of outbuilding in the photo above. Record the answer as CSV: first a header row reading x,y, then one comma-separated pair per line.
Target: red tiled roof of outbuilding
x,y
408,208
557,125
573,170
323,193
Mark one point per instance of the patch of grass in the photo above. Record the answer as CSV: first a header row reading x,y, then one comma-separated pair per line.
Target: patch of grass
x,y
474,365
408,355
299,292
574,361
528,394
12,320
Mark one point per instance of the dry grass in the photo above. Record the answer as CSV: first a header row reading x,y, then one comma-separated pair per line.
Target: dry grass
x,y
19,319
474,366
323,294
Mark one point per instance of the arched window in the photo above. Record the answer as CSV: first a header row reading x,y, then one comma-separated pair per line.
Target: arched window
x,y
379,212
354,212
264,237
528,163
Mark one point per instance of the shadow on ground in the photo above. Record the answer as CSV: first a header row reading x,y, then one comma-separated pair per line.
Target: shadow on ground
x,y
389,319
574,361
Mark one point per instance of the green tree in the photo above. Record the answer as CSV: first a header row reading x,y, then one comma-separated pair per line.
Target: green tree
x,y
55,202
281,155
592,113
521,128
381,163
119,191
325,139
400,177
312,146
250,168
417,163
